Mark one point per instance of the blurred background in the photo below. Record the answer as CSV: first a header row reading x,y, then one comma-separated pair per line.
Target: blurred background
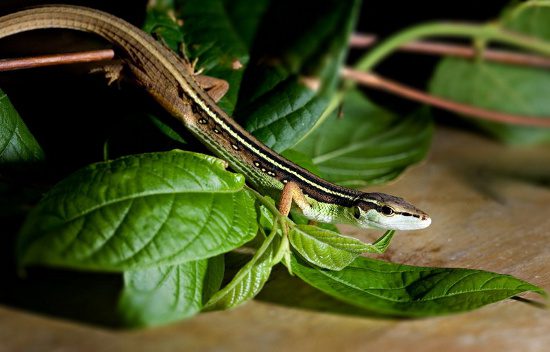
x,y
72,113
45,86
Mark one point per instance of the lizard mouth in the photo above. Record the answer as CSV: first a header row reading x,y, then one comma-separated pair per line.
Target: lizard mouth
x,y
403,223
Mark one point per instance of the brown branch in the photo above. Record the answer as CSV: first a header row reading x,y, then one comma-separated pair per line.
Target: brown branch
x,y
359,40
56,59
377,82
362,40
367,79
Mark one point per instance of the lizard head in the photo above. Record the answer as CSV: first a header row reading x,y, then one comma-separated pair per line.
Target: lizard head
x,y
383,211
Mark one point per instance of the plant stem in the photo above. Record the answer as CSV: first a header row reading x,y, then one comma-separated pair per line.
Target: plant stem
x,y
427,47
243,272
284,247
485,33
377,82
478,33
56,59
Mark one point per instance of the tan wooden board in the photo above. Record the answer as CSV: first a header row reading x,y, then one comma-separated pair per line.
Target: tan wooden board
x,y
490,206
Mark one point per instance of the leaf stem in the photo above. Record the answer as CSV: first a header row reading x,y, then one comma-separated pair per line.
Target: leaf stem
x,y
481,34
377,82
440,48
237,279
284,247
486,33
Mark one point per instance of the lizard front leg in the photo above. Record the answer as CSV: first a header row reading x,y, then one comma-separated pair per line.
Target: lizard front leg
x,y
292,193
216,88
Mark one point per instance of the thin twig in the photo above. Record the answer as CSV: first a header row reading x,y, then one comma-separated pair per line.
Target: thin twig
x,y
56,59
359,40
377,82
367,79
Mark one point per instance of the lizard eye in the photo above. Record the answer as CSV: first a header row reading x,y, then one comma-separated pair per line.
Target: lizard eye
x,y
356,212
386,210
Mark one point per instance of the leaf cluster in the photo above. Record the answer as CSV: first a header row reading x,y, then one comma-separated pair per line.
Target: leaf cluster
x,y
169,222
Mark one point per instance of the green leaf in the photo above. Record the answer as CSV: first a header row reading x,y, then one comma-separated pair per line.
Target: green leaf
x,y
324,248
368,145
166,129
219,33
282,95
17,144
250,279
140,211
164,294
293,79
528,19
213,278
330,250
266,217
409,291
159,22
504,88
514,90
301,159
381,244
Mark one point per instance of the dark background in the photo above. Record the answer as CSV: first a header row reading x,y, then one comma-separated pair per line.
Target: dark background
x,y
73,114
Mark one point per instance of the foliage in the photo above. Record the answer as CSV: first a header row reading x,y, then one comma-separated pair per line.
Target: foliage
x,y
17,144
505,88
163,221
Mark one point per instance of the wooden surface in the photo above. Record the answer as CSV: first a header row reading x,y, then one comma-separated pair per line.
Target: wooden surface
x,y
490,208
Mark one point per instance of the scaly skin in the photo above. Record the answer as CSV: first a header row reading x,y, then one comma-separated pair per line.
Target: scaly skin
x,y
170,80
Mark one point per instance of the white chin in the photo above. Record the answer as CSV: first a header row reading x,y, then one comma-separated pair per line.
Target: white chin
x,y
406,224
416,225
